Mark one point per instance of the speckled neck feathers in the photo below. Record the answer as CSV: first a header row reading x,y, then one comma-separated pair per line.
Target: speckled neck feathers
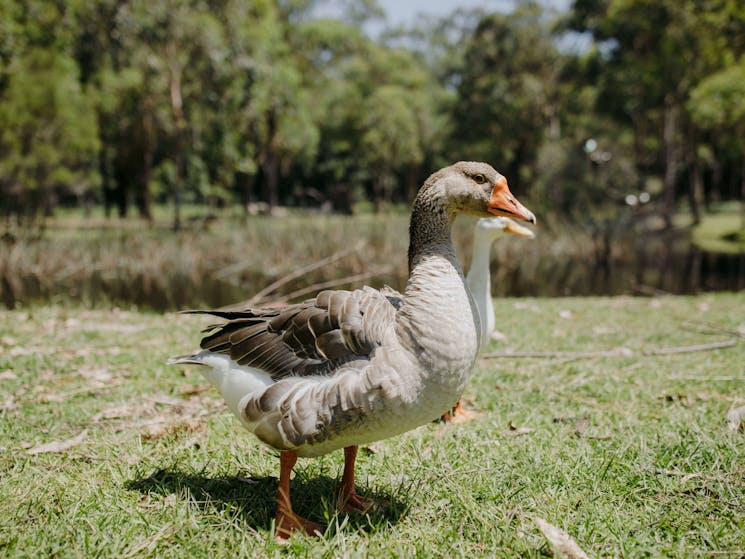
x,y
430,226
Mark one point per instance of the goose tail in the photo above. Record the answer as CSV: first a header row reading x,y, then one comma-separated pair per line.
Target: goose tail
x,y
191,359
235,382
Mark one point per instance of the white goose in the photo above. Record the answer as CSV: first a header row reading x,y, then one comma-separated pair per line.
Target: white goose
x,y
350,368
486,231
478,280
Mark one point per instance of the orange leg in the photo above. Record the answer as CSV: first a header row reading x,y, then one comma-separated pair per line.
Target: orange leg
x,y
287,521
348,500
459,414
451,414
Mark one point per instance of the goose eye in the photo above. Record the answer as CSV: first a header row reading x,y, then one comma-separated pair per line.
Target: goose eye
x,y
480,179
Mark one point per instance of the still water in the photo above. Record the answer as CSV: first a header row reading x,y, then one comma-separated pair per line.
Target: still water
x,y
653,267
547,267
650,267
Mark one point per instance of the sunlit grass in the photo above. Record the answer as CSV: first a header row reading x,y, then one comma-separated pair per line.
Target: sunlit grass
x,y
630,455
721,232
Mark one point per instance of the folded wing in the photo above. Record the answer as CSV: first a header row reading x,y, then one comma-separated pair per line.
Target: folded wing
x,y
309,338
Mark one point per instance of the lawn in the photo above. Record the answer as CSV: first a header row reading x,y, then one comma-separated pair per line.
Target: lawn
x,y
721,232
108,452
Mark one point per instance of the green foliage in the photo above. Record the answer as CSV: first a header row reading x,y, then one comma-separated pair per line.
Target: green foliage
x,y
719,100
48,131
651,57
506,91
266,101
390,129
721,232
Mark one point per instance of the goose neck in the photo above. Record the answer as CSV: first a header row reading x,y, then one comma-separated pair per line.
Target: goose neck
x,y
430,232
481,252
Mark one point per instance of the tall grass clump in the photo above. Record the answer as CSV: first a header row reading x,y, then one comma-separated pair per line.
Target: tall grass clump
x,y
230,259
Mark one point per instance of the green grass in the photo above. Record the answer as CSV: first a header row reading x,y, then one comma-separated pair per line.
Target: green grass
x,y
630,455
721,232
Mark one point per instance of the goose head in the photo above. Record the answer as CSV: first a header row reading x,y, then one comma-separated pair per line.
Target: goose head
x,y
477,189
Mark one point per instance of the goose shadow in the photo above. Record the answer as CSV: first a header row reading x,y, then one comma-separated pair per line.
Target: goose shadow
x,y
253,499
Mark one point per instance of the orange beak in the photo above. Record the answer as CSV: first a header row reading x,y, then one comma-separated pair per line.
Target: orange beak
x,y
503,203
517,229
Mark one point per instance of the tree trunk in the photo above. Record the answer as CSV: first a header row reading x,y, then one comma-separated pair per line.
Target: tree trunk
x,y
107,202
696,191
121,198
671,159
177,186
695,182
144,197
271,179
639,148
179,124
379,190
107,178
715,193
742,194
270,163
246,182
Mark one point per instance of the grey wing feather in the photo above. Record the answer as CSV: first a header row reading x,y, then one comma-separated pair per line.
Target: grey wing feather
x,y
394,297
313,337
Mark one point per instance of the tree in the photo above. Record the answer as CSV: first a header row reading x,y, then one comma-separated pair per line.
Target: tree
x,y
717,104
506,92
48,133
170,43
655,52
377,112
271,108
389,138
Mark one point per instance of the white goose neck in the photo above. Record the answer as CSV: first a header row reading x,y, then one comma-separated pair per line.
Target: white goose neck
x,y
481,252
479,283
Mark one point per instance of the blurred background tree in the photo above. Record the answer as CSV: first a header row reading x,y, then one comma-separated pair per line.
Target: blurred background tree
x,y
137,102
48,135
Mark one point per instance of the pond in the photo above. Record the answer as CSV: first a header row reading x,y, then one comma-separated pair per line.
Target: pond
x,y
158,270
652,266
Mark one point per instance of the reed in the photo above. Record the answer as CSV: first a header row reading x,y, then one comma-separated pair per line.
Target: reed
x,y
229,259
214,264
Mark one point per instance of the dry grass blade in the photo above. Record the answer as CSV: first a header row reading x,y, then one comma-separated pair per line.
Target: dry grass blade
x,y
58,446
261,295
712,328
562,543
581,426
691,348
515,431
162,426
149,544
327,285
617,352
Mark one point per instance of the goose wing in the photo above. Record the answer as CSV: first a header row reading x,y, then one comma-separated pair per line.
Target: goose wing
x,y
309,338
